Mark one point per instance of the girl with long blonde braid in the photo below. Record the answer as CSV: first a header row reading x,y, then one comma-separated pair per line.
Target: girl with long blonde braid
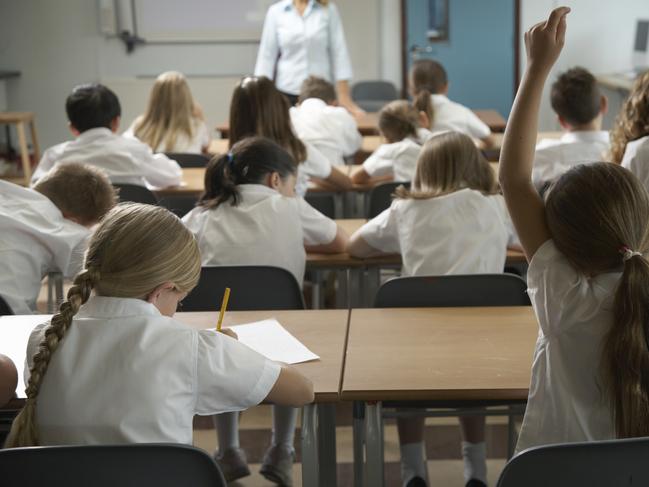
x,y
113,366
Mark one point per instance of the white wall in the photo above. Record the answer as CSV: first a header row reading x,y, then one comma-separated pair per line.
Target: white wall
x,y
57,45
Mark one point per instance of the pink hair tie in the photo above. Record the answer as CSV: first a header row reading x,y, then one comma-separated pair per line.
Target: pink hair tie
x,y
627,253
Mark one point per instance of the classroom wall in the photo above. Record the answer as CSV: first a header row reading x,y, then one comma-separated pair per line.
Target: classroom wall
x,y
57,45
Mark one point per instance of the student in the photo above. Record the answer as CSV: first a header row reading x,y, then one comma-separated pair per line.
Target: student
x,y
249,215
8,380
154,372
399,124
430,75
579,105
46,229
257,108
453,221
173,122
94,114
630,136
587,277
318,120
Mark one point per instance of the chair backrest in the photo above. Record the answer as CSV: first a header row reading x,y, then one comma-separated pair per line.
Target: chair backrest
x,y
179,205
373,95
141,465
188,160
135,194
380,197
254,287
323,202
5,309
453,291
595,464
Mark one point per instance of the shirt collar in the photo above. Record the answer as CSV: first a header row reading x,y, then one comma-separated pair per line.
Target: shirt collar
x,y
95,133
586,136
313,102
438,98
109,307
288,6
256,189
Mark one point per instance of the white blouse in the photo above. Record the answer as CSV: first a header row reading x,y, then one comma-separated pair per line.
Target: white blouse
x,y
397,158
449,115
294,47
184,144
636,159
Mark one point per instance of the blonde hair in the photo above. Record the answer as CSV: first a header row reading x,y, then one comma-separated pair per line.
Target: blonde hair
x,y
447,163
80,191
595,213
170,112
135,249
633,120
398,120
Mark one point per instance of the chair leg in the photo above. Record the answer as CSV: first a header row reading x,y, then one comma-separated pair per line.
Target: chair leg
x,y
374,445
359,442
512,435
36,149
24,152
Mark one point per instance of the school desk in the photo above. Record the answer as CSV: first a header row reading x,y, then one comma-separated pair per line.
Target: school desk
x,y
437,355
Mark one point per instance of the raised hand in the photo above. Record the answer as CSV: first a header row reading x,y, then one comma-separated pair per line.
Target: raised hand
x,y
544,41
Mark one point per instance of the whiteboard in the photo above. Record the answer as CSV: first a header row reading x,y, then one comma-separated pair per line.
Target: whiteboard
x,y
200,20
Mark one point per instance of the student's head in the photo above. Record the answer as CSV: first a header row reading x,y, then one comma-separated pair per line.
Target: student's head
x,y
138,251
83,193
8,379
254,160
633,120
170,112
258,108
576,99
429,75
314,87
92,106
398,120
447,163
598,215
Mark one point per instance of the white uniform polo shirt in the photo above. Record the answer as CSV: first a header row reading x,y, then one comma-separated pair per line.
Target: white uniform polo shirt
x,y
449,115
636,159
184,144
397,158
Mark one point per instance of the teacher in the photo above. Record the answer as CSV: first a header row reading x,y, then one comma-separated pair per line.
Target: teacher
x,y
303,38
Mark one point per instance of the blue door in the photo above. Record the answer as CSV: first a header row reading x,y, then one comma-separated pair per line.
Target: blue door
x,y
478,54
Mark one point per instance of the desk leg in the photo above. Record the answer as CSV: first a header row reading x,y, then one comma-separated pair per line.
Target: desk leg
x,y
512,436
374,446
319,445
358,426
316,289
309,434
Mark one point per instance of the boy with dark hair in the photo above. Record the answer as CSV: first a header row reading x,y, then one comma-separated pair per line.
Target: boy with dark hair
x,y
94,114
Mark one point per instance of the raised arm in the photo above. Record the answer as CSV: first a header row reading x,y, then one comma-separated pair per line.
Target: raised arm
x,y
543,43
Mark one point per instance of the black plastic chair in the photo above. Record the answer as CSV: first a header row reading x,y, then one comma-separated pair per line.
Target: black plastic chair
x,y
136,194
253,287
453,291
188,160
595,464
324,203
138,465
5,309
371,96
179,205
380,197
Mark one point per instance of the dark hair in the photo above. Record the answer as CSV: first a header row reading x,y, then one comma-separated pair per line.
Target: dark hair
x,y
91,106
258,108
248,162
575,96
314,87
429,75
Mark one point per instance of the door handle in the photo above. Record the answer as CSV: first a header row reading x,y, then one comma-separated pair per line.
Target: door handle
x,y
416,51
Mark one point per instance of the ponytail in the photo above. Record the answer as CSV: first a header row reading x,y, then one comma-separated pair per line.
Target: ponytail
x,y
423,103
24,430
248,162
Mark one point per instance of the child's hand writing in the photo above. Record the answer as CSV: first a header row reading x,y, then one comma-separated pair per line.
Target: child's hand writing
x,y
229,332
544,41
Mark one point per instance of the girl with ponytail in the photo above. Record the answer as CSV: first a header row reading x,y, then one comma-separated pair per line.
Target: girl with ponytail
x,y
249,215
588,277
113,366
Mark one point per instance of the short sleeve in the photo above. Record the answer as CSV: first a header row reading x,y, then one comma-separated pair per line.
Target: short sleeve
x,y
382,232
381,162
77,255
229,375
476,127
316,164
317,228
34,341
47,162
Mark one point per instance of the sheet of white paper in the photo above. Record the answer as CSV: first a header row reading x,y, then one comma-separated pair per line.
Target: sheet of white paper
x,y
272,340
14,333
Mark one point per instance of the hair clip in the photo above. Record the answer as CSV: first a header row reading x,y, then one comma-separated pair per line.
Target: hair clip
x,y
627,253
230,157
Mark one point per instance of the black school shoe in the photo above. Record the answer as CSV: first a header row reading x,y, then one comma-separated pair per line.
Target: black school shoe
x,y
416,482
475,483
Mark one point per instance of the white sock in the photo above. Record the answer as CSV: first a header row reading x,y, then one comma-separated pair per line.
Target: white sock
x,y
475,461
284,419
227,430
413,462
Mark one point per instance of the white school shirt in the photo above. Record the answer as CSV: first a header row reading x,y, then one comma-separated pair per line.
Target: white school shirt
x,y
125,160
330,129
449,115
636,159
294,47
265,228
183,144
566,402
124,373
34,240
464,232
316,165
398,158
553,157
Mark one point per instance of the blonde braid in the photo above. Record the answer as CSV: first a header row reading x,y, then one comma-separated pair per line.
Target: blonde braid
x,y
24,430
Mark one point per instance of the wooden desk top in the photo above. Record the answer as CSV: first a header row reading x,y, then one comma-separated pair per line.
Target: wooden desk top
x,y
439,354
322,331
14,117
617,81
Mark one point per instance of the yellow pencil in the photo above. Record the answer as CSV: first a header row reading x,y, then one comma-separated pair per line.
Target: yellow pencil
x,y
224,305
